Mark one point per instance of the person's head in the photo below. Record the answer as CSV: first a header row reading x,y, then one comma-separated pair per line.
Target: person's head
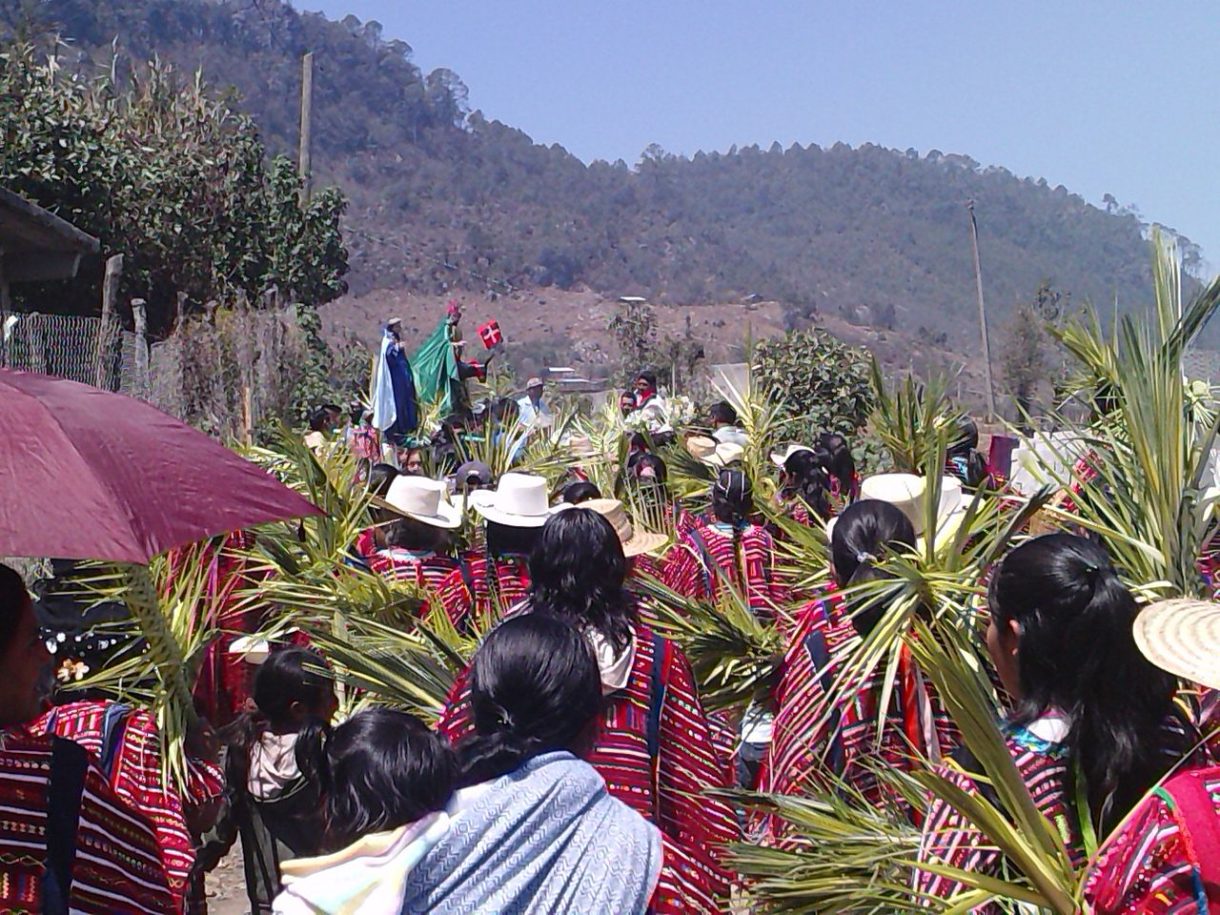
x,y
508,540
321,420
965,436
533,389
506,411
1061,637
864,535
412,461
471,476
626,402
722,413
580,491
534,688
394,327
577,571
647,466
293,687
23,656
805,478
380,478
834,454
732,497
410,534
380,770
645,384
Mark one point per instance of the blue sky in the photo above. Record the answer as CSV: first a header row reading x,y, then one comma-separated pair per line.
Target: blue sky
x,y
1117,97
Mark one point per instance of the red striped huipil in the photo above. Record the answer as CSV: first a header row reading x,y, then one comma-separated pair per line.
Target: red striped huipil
x,y
666,789
426,569
707,553
1150,864
824,726
498,584
949,838
136,777
117,866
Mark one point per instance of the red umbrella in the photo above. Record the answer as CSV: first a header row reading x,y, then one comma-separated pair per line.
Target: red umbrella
x,y
87,474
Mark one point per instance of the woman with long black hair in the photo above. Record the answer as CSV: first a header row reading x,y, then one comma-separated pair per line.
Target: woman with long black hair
x,y
533,826
1090,719
655,747
805,488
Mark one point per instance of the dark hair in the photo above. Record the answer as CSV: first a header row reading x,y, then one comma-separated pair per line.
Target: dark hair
x,y
628,395
13,597
410,534
723,412
380,478
650,377
580,491
504,540
1077,654
577,571
319,419
534,688
863,534
834,454
966,437
379,770
806,479
506,411
732,497
643,459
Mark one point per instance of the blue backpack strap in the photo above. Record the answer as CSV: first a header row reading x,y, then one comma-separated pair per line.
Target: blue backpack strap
x,y
69,763
819,656
707,563
114,726
658,686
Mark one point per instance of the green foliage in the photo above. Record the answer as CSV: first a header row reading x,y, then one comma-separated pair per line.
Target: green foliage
x,y
170,176
819,382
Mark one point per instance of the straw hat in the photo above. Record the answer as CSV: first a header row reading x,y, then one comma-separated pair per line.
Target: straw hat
x,y
423,500
634,542
906,492
520,500
710,451
252,649
779,457
1183,637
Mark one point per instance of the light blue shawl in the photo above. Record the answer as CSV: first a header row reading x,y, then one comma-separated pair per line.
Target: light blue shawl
x,y
547,838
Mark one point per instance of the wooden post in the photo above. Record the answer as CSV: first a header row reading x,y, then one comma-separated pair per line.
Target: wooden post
x,y
978,282
304,164
139,316
106,330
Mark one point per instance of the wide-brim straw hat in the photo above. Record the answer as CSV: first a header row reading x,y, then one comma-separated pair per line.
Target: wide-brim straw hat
x,y
779,457
425,500
714,453
906,492
1182,636
635,542
253,650
520,500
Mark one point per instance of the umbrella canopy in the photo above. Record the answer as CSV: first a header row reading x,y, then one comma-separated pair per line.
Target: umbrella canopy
x,y
87,474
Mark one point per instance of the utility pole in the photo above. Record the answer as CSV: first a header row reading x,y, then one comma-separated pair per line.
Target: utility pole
x,y
978,283
304,165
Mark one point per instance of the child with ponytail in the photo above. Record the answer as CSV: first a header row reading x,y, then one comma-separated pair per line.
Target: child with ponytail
x,y
274,794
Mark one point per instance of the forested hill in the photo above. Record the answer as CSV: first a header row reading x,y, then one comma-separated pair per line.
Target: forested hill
x,y
444,197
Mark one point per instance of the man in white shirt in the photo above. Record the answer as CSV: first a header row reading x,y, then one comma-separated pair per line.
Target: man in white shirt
x,y
533,411
650,406
724,425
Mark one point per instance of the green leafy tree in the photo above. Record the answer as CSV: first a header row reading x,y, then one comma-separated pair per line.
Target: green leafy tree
x,y
172,177
819,381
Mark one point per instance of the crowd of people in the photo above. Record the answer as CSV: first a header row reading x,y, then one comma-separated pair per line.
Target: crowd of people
x,y
575,766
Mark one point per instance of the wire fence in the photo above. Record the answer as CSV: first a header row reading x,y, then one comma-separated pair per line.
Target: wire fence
x,y
226,372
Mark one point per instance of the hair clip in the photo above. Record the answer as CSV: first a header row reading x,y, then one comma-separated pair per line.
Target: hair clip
x,y
863,557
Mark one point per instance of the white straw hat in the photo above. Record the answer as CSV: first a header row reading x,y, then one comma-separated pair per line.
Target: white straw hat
x,y
906,492
520,500
779,457
717,454
424,500
1183,637
634,542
